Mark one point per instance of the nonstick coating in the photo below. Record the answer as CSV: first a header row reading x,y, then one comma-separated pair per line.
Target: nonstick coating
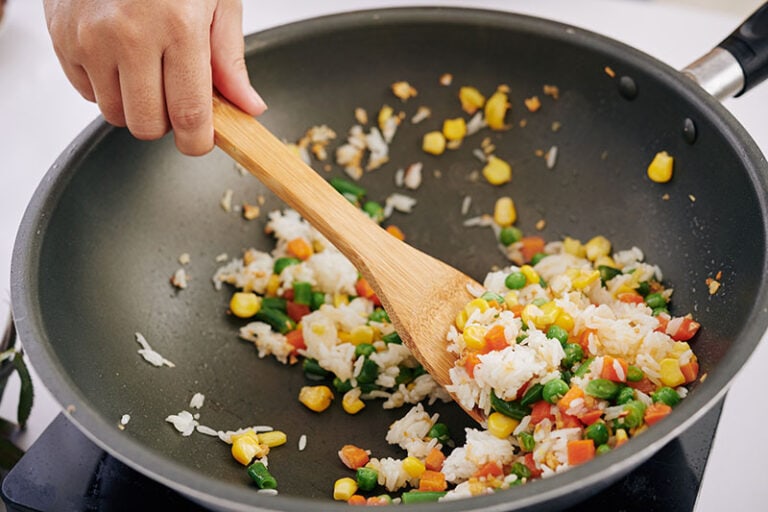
x,y
104,231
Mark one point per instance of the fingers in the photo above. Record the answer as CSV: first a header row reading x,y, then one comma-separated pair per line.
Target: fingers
x,y
139,95
229,72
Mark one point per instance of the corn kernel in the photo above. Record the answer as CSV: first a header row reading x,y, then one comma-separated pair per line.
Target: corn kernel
x,y
501,425
361,334
474,337
670,373
660,168
565,321
316,398
340,299
531,276
455,129
471,99
584,279
273,438
621,437
433,143
504,213
605,260
549,313
351,402
598,246
574,247
273,284
384,114
413,466
497,171
246,448
344,488
496,110
512,298
244,305
679,347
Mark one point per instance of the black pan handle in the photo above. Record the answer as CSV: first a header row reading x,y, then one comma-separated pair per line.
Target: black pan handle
x,y
739,62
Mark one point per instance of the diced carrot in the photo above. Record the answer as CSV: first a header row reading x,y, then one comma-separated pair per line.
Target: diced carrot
x,y
432,481
630,298
572,394
540,410
590,416
299,248
609,369
682,328
296,311
690,371
364,289
663,319
395,231
375,501
531,245
530,463
655,412
645,385
488,469
495,339
295,338
434,460
517,309
353,457
569,421
470,362
584,339
356,499
580,451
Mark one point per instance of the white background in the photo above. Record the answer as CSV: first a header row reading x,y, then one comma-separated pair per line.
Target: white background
x,y
40,113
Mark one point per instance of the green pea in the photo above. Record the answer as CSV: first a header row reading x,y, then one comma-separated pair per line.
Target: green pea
x,y
643,288
532,395
440,432
491,296
515,280
666,395
509,235
379,315
655,300
573,354
318,299
558,333
521,470
364,349
602,388
634,374
367,478
634,414
598,432
527,443
626,395
392,337
538,257
282,263
554,390
658,311
603,448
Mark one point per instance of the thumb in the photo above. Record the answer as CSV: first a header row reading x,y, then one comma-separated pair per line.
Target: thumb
x,y
229,72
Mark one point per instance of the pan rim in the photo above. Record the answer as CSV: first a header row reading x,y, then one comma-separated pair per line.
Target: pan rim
x,y
207,491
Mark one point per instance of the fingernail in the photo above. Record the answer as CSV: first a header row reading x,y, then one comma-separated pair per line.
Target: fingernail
x,y
260,103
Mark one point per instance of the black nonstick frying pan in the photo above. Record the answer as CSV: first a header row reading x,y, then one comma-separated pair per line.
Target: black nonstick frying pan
x,y
105,228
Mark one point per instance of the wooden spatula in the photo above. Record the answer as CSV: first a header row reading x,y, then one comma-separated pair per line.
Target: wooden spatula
x,y
421,294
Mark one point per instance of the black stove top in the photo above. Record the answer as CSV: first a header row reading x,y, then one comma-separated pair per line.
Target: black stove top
x,y
64,470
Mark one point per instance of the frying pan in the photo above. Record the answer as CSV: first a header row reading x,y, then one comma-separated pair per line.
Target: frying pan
x,y
106,226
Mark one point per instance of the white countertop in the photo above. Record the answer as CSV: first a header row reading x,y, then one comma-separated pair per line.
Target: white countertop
x,y
40,114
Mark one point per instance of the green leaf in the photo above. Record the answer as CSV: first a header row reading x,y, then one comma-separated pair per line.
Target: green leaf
x,y
10,454
26,394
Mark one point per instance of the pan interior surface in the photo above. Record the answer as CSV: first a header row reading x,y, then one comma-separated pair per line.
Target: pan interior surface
x,y
116,216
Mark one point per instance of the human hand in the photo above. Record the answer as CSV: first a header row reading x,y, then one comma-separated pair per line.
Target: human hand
x,y
151,65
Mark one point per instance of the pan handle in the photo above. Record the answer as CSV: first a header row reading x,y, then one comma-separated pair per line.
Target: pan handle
x,y
739,62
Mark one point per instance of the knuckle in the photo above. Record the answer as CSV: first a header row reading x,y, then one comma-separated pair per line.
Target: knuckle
x,y
189,115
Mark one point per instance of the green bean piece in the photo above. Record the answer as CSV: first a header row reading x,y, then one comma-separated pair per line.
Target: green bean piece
x,y
558,333
346,187
261,475
367,478
374,210
302,293
278,303
521,470
491,296
527,443
318,299
364,349
607,273
626,395
598,432
440,432
341,386
378,315
573,354
634,414
538,257
602,388
539,301
655,300
405,376
634,374
509,235
583,369
410,497
392,337
313,368
512,409
282,263
521,338
515,280
666,395
369,372
278,320
532,395
658,311
554,390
